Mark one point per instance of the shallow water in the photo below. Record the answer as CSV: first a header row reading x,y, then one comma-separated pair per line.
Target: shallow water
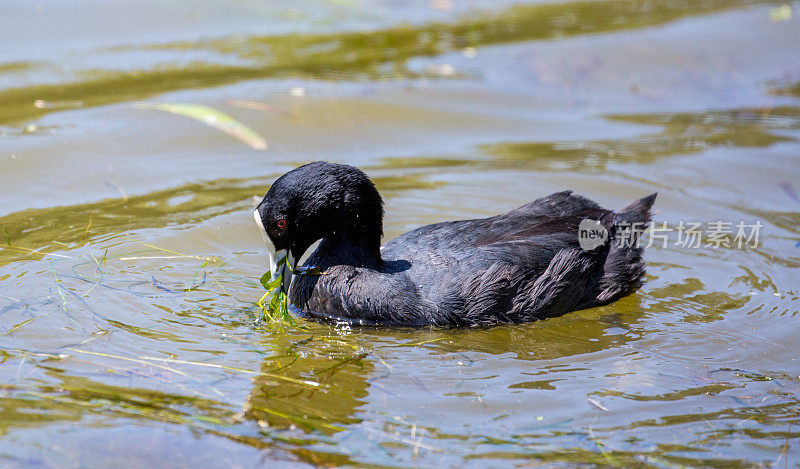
x,y
129,260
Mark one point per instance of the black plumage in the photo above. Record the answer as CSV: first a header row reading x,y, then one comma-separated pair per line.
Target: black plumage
x,y
520,266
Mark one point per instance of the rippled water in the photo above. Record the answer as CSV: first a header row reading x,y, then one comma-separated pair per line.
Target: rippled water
x,y
129,261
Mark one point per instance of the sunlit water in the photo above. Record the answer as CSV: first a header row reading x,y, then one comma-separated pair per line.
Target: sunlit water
x,y
129,262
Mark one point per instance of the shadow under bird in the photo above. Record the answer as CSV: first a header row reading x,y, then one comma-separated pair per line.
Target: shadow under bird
x,y
520,266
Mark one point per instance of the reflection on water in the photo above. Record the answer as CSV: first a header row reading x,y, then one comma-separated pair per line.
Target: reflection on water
x,y
349,55
682,134
129,263
320,384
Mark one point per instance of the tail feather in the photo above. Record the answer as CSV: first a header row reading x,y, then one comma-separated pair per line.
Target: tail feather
x,y
638,211
624,267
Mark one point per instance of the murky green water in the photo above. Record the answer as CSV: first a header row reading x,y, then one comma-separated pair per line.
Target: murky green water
x,y
129,261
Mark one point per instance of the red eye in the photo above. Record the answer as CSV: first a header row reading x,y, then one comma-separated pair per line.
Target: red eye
x,y
281,223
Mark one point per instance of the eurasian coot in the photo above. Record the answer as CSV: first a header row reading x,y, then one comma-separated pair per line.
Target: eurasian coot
x,y
520,266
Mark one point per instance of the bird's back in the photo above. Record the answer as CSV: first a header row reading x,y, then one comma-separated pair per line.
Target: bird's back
x,y
520,266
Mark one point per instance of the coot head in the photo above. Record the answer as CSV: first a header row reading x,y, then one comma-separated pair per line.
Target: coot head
x,y
333,202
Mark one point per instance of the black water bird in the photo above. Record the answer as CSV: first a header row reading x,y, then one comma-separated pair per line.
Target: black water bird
x,y
520,266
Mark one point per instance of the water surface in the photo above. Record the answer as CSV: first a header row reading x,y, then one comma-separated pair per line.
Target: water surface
x,y
129,261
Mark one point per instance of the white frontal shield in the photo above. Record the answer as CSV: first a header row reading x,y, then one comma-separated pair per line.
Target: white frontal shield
x,y
281,263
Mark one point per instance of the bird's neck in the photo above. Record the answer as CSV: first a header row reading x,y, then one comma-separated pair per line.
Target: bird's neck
x,y
348,250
